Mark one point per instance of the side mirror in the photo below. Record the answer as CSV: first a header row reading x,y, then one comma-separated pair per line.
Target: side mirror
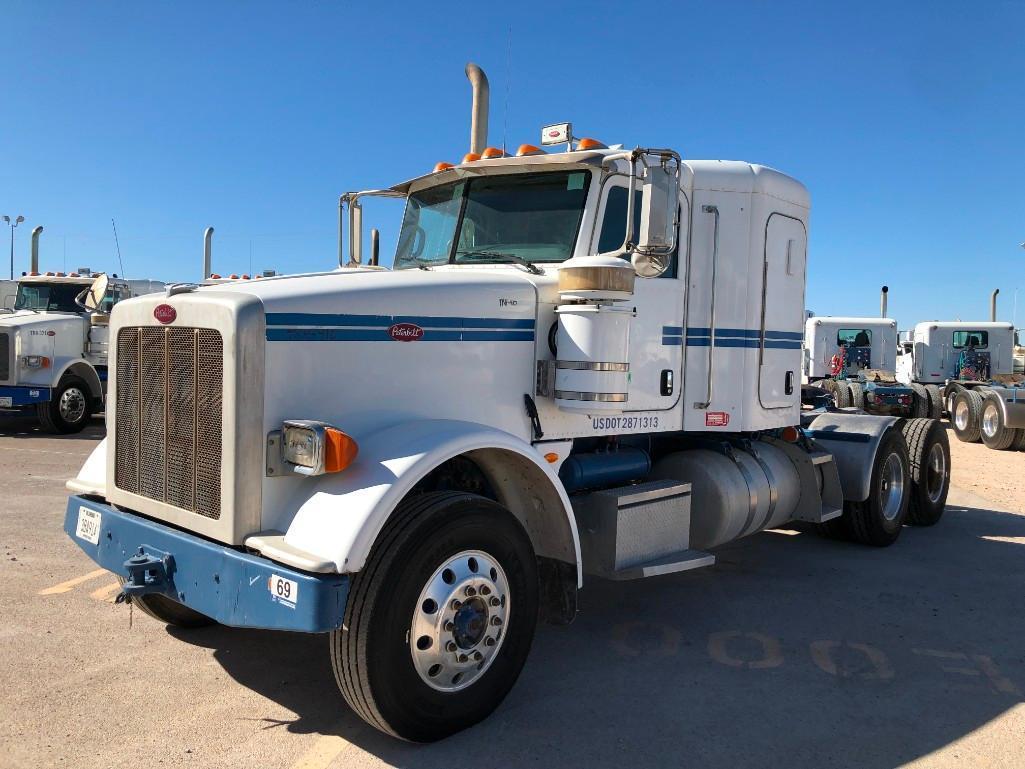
x,y
92,297
660,206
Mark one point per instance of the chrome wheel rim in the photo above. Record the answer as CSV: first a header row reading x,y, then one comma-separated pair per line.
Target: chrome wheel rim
x,y
961,415
891,487
459,621
936,472
72,405
990,421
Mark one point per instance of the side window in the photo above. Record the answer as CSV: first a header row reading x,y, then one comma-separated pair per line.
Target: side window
x,y
613,224
978,340
854,337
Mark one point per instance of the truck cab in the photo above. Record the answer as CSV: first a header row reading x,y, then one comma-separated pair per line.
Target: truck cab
x,y
54,345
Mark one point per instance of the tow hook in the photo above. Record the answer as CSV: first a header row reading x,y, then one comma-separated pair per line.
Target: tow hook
x,y
147,573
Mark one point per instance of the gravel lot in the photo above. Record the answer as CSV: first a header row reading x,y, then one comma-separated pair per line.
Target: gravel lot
x,y
792,651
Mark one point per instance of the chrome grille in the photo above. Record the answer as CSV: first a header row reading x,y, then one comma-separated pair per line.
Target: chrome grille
x,y
167,422
5,356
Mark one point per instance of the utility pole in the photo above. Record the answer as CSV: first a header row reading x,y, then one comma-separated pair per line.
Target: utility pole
x,y
18,220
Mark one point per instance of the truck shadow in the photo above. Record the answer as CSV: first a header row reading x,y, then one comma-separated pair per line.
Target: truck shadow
x,y
791,650
15,424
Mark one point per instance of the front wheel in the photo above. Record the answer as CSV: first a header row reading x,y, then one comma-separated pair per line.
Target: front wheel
x,y
69,409
441,618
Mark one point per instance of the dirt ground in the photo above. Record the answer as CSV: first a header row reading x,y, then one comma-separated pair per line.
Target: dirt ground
x,y
998,476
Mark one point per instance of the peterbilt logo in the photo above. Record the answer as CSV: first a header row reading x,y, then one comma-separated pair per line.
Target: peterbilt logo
x,y
405,332
165,313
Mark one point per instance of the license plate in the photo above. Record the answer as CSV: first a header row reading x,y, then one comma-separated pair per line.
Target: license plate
x,y
88,525
6,401
284,591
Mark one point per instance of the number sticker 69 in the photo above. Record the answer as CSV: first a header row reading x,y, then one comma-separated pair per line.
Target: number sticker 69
x,y
284,591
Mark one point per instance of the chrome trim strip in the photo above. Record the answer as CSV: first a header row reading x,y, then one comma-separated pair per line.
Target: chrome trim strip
x,y
580,365
574,395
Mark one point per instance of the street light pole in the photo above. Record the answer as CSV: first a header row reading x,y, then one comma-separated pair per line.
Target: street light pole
x,y
18,220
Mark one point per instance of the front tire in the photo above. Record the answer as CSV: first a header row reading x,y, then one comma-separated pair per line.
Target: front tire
x,y
69,409
440,620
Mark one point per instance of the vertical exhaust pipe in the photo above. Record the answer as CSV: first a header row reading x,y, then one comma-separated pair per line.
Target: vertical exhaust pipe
x,y
479,110
375,246
993,305
882,301
34,266
208,236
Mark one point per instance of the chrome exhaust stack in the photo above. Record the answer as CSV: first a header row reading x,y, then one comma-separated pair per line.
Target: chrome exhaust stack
x,y
479,109
34,266
208,236
882,301
993,305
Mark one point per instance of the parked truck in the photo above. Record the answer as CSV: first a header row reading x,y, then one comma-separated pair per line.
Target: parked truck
x,y
583,363
855,361
53,345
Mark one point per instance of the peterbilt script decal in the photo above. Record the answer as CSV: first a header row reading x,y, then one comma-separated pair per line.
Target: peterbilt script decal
x,y
405,332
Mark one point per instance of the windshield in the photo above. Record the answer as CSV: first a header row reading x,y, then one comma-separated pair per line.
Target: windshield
x,y
530,217
48,297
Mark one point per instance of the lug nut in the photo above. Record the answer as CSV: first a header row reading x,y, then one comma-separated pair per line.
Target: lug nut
x,y
450,646
463,658
450,626
496,621
495,601
456,603
477,656
485,590
489,641
469,591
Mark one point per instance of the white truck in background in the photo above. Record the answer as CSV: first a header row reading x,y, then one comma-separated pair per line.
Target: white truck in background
x,y
854,359
585,361
973,363
53,343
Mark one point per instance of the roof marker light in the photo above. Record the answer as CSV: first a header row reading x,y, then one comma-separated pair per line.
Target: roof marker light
x,y
529,149
492,152
591,144
469,157
442,166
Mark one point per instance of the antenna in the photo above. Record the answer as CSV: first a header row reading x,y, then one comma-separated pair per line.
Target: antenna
x,y
118,245
508,76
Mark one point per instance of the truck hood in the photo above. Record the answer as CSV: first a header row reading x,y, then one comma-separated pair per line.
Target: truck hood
x,y
29,319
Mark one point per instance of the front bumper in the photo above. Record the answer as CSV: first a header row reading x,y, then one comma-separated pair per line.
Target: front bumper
x,y
225,584
13,397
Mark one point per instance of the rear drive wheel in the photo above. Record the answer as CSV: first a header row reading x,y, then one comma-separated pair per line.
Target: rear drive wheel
x,y
69,409
994,432
829,385
929,458
966,415
1019,442
878,519
440,619
857,394
169,611
920,401
842,395
935,401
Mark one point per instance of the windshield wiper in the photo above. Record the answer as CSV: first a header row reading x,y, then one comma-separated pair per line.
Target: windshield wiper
x,y
510,258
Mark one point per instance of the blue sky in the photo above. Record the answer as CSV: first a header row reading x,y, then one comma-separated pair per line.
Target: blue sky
x,y
905,120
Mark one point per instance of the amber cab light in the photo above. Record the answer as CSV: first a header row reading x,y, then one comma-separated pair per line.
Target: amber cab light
x,y
529,149
491,153
442,166
591,144
469,157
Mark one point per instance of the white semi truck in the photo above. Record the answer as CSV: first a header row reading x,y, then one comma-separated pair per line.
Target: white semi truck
x,y
584,363
53,344
855,360
973,363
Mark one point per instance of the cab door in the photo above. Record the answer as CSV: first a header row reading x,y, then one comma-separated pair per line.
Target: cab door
x,y
656,333
779,354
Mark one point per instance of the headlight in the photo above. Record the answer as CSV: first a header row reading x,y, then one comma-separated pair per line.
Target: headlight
x,y
35,361
315,448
